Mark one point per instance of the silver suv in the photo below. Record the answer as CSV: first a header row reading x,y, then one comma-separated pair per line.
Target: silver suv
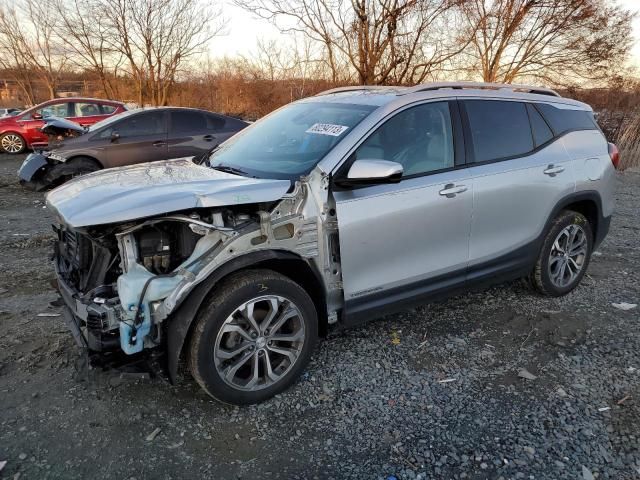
x,y
335,209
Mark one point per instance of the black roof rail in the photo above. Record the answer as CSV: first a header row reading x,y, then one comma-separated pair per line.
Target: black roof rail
x,y
482,86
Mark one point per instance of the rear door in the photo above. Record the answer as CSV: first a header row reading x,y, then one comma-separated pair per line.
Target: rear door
x,y
399,241
141,137
193,132
188,134
223,127
519,174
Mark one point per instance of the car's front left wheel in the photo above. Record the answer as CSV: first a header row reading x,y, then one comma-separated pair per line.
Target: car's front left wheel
x,y
253,337
12,143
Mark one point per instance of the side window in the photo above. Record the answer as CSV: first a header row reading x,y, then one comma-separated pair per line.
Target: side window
x,y
54,110
562,120
149,123
107,109
86,109
215,122
498,129
541,131
420,138
185,121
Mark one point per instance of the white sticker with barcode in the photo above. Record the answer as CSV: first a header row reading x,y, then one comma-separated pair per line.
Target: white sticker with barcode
x,y
327,129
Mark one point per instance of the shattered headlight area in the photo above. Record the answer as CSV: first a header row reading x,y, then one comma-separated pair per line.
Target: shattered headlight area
x,y
87,272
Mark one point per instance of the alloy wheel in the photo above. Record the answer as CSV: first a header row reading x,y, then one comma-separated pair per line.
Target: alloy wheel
x,y
568,255
12,143
259,343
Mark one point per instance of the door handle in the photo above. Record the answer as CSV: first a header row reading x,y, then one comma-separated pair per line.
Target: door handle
x,y
552,170
159,144
209,138
450,190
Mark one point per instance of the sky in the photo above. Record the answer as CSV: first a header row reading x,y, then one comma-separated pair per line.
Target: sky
x,y
243,31
634,5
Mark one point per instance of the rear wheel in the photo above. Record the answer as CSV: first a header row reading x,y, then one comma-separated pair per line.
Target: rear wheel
x,y
253,338
12,143
565,255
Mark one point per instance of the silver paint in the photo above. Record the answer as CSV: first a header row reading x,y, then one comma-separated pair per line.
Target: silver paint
x,y
389,235
145,190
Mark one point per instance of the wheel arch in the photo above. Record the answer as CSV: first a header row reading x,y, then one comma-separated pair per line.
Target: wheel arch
x,y
85,157
284,262
589,204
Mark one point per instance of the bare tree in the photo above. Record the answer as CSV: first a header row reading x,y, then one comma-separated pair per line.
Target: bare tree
x,y
381,41
86,36
11,58
283,65
28,38
554,40
157,37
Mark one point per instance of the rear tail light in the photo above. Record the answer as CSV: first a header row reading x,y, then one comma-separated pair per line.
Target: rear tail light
x,y
614,153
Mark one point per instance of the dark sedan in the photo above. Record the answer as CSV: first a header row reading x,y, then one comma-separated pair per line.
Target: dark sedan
x,y
136,136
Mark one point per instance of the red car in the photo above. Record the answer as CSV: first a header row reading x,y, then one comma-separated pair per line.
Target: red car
x,y
23,131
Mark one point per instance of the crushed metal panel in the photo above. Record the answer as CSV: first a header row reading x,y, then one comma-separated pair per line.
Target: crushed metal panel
x,y
140,191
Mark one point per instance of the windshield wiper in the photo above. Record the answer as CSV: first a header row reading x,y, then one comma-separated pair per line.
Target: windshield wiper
x,y
233,170
203,157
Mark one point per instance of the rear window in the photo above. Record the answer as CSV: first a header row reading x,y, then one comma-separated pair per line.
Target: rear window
x,y
107,109
498,129
563,120
86,109
541,131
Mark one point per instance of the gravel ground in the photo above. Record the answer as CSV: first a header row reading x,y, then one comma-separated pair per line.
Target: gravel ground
x,y
430,393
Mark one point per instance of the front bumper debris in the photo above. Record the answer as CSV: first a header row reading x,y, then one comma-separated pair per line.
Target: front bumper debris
x,y
90,323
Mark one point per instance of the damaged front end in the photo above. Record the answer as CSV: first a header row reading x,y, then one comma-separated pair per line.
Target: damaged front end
x,y
36,171
57,129
122,283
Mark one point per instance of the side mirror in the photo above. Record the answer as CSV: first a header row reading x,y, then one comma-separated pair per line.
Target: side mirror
x,y
36,116
371,172
114,136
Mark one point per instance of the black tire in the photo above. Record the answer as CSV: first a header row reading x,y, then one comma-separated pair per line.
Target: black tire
x,y
20,147
541,277
221,304
75,167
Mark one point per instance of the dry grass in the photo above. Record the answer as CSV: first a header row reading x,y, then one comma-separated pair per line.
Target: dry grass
x,y
629,144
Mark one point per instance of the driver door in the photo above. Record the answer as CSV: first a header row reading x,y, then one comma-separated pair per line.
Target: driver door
x,y
140,137
401,241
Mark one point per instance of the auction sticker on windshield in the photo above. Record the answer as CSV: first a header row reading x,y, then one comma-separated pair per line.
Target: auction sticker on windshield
x,y
327,129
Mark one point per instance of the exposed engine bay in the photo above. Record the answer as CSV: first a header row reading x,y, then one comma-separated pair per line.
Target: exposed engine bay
x,y
124,281
57,129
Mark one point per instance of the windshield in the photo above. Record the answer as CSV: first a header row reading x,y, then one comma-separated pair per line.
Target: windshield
x,y
289,142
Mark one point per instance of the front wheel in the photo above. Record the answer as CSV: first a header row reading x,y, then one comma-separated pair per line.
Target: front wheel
x,y
253,337
63,172
565,255
12,143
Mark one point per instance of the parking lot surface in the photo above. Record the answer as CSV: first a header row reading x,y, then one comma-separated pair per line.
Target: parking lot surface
x,y
500,384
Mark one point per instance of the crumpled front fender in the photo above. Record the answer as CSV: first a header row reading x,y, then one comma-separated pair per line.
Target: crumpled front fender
x,y
32,167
